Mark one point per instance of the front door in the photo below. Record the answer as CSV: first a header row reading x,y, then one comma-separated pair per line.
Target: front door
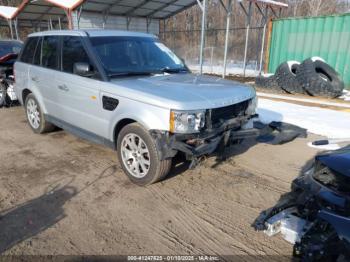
x,y
78,96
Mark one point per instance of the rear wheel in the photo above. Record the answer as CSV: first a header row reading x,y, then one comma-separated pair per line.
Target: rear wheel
x,y
139,157
35,116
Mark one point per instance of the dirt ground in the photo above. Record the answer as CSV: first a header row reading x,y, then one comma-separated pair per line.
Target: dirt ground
x,y
63,195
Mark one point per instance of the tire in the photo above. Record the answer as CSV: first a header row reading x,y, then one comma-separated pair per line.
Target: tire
x,y
286,77
35,117
134,139
319,79
268,83
3,94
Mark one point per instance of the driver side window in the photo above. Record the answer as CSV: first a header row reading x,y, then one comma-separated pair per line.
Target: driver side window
x,y
73,52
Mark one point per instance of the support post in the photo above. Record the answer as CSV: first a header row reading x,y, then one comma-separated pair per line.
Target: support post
x,y
247,38
105,18
203,6
10,25
148,23
59,23
228,20
263,39
16,29
78,15
128,20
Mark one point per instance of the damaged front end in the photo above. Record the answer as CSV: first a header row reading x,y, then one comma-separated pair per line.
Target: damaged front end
x,y
315,215
216,128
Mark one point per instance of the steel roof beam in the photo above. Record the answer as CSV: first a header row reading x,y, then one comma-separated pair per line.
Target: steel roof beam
x,y
162,7
132,10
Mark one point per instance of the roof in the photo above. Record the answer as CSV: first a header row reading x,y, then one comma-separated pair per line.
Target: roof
x,y
159,9
92,32
35,11
7,11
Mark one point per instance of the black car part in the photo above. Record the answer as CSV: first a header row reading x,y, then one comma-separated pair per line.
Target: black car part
x,y
194,146
315,215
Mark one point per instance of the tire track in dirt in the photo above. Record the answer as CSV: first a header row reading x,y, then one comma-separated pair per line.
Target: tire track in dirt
x,y
202,230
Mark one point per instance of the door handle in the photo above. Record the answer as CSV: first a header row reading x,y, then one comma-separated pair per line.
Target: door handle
x,y
35,79
63,87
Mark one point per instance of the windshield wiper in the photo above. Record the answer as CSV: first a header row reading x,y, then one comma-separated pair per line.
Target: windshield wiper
x,y
121,74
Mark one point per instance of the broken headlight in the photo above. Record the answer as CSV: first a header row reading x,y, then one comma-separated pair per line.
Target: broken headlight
x,y
187,122
253,104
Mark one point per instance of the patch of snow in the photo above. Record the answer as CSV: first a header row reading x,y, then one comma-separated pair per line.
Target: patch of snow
x,y
267,75
325,147
346,95
320,121
234,69
291,63
317,58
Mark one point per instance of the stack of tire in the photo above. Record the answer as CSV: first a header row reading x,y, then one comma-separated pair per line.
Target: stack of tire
x,y
313,77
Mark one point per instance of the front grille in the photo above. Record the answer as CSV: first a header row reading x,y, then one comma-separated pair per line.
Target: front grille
x,y
220,115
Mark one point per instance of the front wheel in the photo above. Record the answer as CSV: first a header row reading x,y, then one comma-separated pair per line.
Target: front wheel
x,y
139,157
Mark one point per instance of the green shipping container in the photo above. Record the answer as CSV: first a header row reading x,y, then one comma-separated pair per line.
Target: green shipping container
x,y
300,38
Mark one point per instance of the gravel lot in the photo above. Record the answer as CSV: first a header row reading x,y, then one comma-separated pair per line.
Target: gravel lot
x,y
63,195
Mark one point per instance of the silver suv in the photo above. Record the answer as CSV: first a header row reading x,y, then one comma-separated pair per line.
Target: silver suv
x,y
130,92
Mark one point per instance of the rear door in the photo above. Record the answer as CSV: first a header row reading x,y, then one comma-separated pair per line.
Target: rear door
x,y
22,66
42,73
78,96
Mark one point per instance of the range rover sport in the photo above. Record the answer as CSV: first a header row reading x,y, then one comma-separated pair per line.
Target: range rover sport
x,y
129,92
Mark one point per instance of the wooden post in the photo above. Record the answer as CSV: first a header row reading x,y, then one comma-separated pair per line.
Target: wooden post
x,y
267,54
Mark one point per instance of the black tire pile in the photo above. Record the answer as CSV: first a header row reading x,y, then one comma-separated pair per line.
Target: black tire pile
x,y
313,77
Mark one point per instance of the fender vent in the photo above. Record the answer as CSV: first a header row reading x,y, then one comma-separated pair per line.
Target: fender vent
x,y
109,103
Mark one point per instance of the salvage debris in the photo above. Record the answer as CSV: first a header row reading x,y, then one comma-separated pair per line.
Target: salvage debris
x,y
315,215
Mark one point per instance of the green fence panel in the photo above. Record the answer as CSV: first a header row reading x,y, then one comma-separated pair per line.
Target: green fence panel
x,y
300,38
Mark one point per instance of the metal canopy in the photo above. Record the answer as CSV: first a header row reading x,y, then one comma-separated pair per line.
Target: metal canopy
x,y
155,9
40,13
52,13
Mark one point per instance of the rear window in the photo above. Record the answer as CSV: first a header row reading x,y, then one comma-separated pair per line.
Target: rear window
x,y
49,52
29,50
37,55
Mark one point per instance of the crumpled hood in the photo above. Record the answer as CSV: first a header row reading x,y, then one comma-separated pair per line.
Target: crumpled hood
x,y
338,160
185,91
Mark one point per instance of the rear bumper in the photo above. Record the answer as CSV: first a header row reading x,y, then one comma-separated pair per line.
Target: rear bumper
x,y
204,143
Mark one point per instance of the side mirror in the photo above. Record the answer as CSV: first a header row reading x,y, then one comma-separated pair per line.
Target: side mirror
x,y
82,69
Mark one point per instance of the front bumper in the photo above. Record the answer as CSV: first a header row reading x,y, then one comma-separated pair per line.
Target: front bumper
x,y
204,143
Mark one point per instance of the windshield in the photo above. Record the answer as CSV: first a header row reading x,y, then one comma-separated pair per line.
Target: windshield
x,y
9,47
132,55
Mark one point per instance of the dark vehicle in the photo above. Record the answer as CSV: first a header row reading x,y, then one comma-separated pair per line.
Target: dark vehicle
x,y
9,50
315,215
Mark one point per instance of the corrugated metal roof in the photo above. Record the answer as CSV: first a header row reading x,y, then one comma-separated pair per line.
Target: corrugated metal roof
x,y
36,10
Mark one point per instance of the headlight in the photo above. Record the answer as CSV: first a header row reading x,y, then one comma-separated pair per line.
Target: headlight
x,y
251,110
186,122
